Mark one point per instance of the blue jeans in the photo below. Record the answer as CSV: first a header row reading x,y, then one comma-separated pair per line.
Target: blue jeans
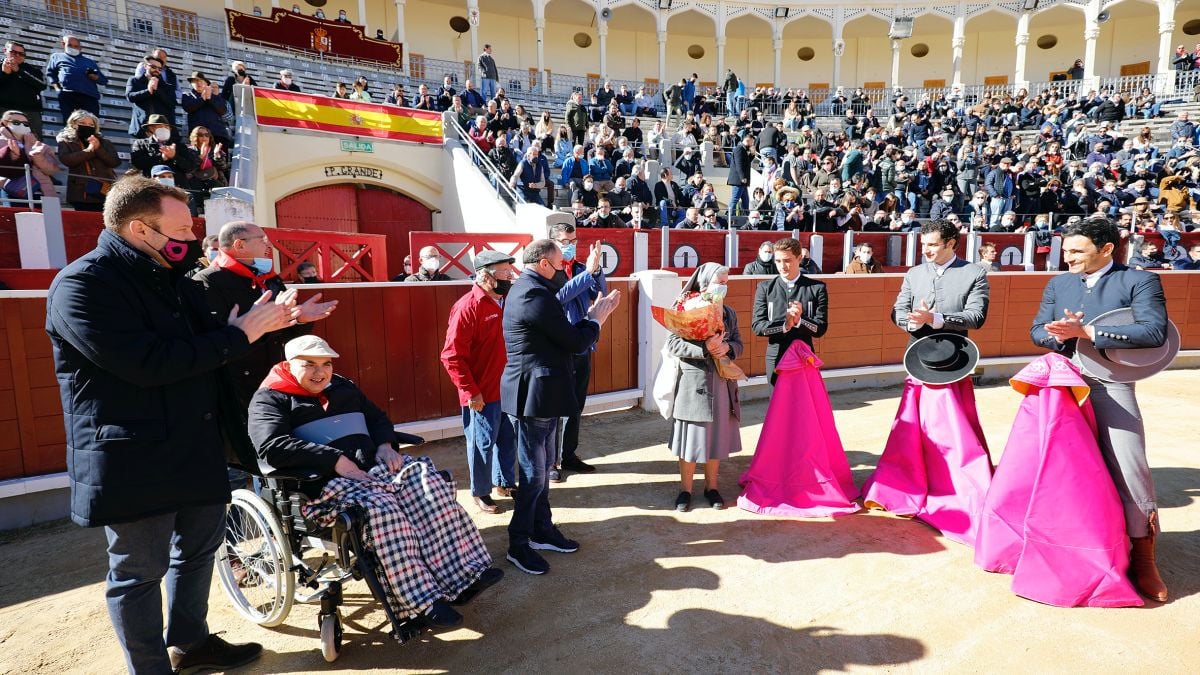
x,y
178,548
738,197
998,205
627,109
537,447
491,453
666,215
488,89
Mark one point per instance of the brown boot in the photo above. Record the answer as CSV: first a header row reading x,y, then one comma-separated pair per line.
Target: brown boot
x,y
1142,568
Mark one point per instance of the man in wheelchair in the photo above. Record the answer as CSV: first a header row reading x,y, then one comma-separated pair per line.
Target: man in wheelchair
x,y
430,553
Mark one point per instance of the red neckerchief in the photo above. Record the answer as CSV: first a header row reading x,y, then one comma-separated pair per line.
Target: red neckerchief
x,y
567,267
281,379
224,261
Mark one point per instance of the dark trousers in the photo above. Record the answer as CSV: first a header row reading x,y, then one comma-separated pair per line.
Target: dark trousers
x,y
579,136
69,102
583,375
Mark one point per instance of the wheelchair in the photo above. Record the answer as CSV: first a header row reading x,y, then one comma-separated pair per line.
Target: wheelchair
x,y
265,561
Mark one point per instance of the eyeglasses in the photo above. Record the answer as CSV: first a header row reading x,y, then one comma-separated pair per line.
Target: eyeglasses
x,y
566,242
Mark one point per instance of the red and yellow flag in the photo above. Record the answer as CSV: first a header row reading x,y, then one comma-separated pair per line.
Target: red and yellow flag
x,y
291,110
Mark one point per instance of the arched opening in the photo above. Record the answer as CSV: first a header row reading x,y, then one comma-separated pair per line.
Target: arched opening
x,y
685,29
748,50
815,72
357,207
867,61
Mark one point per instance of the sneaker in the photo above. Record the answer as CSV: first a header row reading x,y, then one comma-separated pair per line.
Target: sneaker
x,y
683,502
441,615
554,541
528,560
555,475
577,465
489,577
213,654
714,499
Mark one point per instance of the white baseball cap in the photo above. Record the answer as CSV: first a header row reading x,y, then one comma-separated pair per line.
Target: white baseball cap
x,y
308,345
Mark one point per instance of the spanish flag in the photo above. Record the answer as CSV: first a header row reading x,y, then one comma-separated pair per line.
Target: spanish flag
x,y
291,110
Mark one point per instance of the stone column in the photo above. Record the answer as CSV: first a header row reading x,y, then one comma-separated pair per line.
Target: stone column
x,y
720,77
957,42
662,59
1021,41
362,13
539,24
839,47
400,36
602,33
474,5
777,43
896,44
1165,81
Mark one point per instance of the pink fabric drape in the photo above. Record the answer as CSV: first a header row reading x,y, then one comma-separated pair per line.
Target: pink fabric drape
x,y
935,465
799,467
1052,517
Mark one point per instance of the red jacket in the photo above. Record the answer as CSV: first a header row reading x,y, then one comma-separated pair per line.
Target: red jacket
x,y
474,354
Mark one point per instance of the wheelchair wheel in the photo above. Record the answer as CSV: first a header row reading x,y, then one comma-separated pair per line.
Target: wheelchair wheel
x,y
254,561
331,636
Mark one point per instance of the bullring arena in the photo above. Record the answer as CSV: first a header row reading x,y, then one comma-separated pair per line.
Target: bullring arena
x,y
365,186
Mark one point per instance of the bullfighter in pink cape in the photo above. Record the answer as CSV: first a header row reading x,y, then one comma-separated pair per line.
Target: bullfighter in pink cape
x,y
799,467
1052,517
935,465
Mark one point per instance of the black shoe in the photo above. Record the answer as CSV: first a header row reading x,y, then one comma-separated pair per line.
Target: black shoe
x,y
528,560
714,499
441,615
683,502
489,577
554,541
555,475
577,465
213,654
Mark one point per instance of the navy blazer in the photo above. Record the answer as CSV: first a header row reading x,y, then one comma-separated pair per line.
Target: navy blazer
x,y
1119,287
771,300
539,378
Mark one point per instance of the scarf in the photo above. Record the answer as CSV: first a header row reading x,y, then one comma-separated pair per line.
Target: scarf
x,y
281,379
224,261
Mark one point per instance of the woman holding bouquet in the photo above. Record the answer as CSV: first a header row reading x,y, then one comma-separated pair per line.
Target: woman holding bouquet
x,y
706,414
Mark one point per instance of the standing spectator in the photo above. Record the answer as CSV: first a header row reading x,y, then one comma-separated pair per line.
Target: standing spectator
x,y
77,78
150,95
167,76
489,75
583,285
673,97
429,267
539,341
1076,70
90,159
237,75
999,186
473,357
577,118
21,86
160,145
739,177
131,347
19,148
286,81
205,108
730,87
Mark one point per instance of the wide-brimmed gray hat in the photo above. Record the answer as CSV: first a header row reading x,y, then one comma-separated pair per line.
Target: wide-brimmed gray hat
x,y
1127,364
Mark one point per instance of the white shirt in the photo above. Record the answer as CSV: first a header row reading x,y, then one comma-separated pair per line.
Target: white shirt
x,y
791,283
1091,279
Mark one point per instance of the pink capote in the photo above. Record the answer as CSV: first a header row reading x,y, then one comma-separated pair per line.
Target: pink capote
x,y
1052,517
799,467
935,465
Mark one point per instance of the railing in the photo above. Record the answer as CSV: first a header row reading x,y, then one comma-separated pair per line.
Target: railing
x,y
1130,84
499,181
339,256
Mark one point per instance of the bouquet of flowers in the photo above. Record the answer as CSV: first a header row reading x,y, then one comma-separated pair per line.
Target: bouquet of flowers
x,y
698,316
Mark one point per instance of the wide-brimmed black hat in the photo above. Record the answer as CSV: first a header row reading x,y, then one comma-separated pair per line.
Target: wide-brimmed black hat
x,y
942,358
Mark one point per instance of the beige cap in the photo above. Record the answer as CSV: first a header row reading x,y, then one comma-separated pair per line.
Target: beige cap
x,y
307,345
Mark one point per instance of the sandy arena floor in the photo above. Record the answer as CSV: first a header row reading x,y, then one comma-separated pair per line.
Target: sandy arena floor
x,y
652,590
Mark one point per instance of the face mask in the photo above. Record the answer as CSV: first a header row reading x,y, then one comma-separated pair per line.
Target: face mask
x,y
948,200
718,290
587,186
430,265
169,182
19,129
765,256
309,280
175,251
212,255
502,287
162,135
71,51
262,266
84,133
568,251
864,257
287,80
906,220
559,279
1006,223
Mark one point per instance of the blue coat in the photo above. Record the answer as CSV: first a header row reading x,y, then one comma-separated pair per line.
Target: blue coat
x,y
137,371
539,378
580,291
568,168
1119,287
207,114
146,103
70,73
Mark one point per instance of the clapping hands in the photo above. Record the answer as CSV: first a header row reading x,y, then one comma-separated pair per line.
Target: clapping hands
x,y
1070,326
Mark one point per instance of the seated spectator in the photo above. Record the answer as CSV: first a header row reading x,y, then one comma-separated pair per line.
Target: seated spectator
x,y
705,197
341,18
575,167
406,270
360,93
429,266
160,145
1190,262
205,108
424,100
988,255
864,261
619,196
238,75
602,170
604,216
789,212
1174,195
503,157
21,86
445,94
586,193
90,159
669,197
18,149
1149,258
339,91
691,220
428,562
397,97
212,165
479,133
286,81
644,104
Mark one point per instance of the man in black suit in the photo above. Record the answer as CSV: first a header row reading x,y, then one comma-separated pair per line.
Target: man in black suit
x,y
1098,284
789,307
739,177
537,389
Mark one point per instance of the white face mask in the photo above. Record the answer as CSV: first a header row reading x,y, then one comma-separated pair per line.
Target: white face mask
x,y
18,129
287,80
430,264
864,257
162,135
718,290
71,51
765,256
948,200
905,219
1006,222
169,182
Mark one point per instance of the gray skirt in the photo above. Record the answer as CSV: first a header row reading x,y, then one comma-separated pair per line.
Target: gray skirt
x,y
704,441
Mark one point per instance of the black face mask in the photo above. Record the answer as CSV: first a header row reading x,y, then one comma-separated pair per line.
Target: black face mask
x,y
309,280
84,133
502,287
559,279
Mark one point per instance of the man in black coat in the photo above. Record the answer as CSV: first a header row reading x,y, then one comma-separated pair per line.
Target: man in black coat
x,y
789,307
137,368
21,86
739,177
537,389
150,94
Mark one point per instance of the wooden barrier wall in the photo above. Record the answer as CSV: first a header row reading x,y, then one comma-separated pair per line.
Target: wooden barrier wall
x,y
390,337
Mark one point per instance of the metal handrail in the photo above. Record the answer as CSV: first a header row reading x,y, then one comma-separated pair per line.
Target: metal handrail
x,y
505,190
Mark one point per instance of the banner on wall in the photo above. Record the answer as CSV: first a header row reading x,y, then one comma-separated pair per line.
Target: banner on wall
x,y
321,37
292,110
